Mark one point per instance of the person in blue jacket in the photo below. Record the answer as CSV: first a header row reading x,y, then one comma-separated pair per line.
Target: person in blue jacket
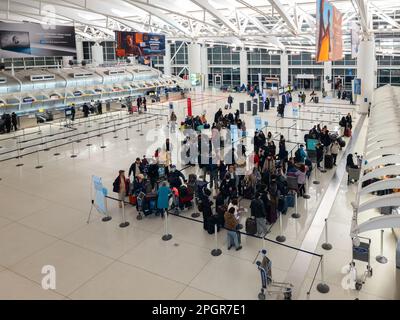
x,y
163,194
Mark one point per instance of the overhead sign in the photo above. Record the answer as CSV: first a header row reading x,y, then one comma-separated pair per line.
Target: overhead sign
x,y
329,39
139,44
19,40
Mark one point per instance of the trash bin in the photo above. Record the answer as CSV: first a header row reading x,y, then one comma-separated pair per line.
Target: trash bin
x,y
248,105
316,99
241,107
261,106
254,109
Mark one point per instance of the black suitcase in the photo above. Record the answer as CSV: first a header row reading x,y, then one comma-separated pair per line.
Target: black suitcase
x,y
210,223
251,226
272,213
328,161
341,142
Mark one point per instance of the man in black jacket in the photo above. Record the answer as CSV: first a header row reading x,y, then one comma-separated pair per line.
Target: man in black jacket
x,y
135,169
258,211
174,178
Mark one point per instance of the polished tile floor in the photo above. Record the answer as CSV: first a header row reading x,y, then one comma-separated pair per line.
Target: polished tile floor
x,y
44,212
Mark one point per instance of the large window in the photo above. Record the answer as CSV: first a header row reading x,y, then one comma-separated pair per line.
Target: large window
x,y
179,52
302,59
21,63
108,50
263,57
227,77
348,75
222,55
306,83
265,72
347,61
388,61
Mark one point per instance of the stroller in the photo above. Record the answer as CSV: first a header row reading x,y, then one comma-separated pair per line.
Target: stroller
x,y
265,268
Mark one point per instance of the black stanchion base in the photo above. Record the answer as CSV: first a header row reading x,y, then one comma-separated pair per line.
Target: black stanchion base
x,y
47,149
296,215
127,139
195,215
106,219
316,182
89,145
167,237
326,246
137,130
281,238
216,252
306,196
38,167
99,135
115,137
103,147
141,134
381,259
78,141
323,288
73,156
124,224
139,217
323,171
19,165
56,154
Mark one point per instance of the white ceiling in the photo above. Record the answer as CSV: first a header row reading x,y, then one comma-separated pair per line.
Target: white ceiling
x,y
274,24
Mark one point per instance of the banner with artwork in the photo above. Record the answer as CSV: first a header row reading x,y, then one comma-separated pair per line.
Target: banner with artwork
x,y
329,39
139,44
355,39
20,40
100,194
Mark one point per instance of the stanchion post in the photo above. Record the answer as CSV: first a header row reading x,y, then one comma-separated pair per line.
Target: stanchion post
x,y
322,287
281,237
381,258
326,245
19,164
39,166
216,252
102,143
316,175
124,223
295,214
166,236
73,155
127,135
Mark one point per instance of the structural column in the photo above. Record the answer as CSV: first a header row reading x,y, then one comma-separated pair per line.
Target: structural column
x,y
284,69
198,63
167,59
244,68
366,64
327,81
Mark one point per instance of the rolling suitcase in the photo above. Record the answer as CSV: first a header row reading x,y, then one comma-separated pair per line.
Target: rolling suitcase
x,y
251,226
347,132
341,142
328,161
290,200
272,214
210,224
282,204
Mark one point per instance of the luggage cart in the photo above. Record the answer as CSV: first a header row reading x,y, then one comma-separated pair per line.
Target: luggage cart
x,y
362,253
267,284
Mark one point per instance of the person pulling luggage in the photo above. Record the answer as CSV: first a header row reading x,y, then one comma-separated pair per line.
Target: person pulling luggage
x,y
259,212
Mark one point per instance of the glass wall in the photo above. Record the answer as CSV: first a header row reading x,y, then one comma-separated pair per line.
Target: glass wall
x,y
306,83
109,49
263,57
227,77
347,74
347,61
388,61
304,58
221,55
179,53
21,63
265,72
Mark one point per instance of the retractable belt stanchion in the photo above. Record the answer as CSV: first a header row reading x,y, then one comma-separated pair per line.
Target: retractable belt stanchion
x,y
115,131
216,252
127,134
125,223
19,164
322,287
166,236
73,155
141,129
323,170
295,214
307,194
316,181
102,142
326,245
88,140
281,237
56,153
381,258
39,166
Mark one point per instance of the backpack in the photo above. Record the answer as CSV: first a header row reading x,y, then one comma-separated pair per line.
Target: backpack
x,y
297,155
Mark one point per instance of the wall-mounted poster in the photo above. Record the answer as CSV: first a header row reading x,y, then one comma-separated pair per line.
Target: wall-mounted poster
x,y
139,44
357,87
329,32
18,40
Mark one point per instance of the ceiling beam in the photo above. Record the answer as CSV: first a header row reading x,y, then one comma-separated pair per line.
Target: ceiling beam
x,y
278,6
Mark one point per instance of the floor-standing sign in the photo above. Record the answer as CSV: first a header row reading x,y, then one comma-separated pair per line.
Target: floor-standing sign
x,y
189,107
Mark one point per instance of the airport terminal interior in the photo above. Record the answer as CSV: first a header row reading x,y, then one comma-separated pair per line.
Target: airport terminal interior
x,y
200,150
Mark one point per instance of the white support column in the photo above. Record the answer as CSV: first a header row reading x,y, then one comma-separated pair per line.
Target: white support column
x,y
284,69
79,50
366,63
204,64
244,68
167,59
328,73
97,55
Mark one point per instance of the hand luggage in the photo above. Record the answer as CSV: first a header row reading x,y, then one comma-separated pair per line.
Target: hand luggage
x,y
283,205
328,161
272,214
347,132
251,226
341,142
206,126
132,200
290,200
210,223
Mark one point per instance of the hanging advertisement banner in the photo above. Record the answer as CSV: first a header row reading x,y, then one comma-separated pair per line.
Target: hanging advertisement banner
x,y
139,44
357,87
19,40
329,39
355,39
100,195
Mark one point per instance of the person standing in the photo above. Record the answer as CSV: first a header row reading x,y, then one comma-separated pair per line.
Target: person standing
x,y
73,111
231,226
99,107
230,101
172,121
139,103
7,122
335,147
144,102
14,120
121,186
135,169
349,121
320,154
163,194
85,110
258,211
